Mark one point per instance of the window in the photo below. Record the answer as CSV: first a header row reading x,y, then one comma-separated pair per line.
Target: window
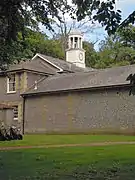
x,y
15,112
11,83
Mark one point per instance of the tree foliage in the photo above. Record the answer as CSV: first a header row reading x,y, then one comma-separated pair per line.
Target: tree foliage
x,y
91,56
131,78
66,24
37,42
102,11
118,49
16,15
23,13
114,51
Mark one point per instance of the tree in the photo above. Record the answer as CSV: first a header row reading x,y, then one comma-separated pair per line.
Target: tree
x,y
117,49
63,28
37,42
91,55
23,13
104,12
28,13
127,35
131,78
16,15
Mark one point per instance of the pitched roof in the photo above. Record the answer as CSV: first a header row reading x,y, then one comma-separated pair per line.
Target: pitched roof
x,y
94,79
31,65
39,66
66,66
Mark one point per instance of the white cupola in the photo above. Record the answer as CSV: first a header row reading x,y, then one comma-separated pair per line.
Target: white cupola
x,y
75,53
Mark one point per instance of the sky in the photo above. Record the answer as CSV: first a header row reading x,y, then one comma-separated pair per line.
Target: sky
x,y
126,6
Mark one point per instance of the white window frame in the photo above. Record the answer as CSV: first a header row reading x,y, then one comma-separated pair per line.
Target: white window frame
x,y
15,118
8,82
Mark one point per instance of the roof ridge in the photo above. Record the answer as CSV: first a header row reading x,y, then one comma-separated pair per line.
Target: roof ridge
x,y
60,62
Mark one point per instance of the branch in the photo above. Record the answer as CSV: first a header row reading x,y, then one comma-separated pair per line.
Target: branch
x,y
128,20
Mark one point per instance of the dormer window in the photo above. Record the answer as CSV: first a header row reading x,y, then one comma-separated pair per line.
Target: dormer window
x,y
11,84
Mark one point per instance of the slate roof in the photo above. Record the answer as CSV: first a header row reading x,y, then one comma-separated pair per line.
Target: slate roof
x,y
65,65
30,65
36,65
94,79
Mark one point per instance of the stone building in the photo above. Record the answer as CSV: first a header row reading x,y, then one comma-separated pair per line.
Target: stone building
x,y
50,95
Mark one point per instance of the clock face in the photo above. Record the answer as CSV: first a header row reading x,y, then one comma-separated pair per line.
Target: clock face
x,y
81,56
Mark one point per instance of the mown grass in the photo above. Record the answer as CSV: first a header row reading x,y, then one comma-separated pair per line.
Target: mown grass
x,y
70,163
33,140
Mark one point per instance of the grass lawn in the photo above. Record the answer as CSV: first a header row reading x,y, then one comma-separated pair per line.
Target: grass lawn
x,y
70,163
66,139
